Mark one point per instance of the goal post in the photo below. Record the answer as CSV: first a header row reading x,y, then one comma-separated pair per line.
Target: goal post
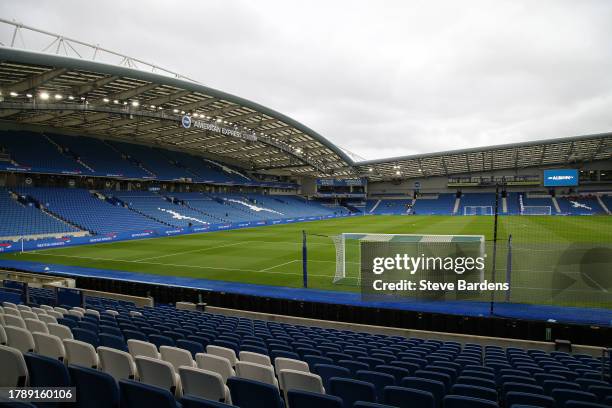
x,y
536,210
348,250
478,210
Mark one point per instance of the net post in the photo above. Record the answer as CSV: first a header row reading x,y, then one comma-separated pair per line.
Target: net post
x,y
304,260
509,268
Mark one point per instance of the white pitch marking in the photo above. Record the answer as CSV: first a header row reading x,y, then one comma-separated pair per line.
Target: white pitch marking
x,y
187,252
278,266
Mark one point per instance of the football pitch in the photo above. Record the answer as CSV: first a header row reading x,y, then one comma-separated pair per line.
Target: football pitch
x,y
548,259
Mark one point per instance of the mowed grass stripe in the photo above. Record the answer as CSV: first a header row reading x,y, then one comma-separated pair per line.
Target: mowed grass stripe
x,y
267,255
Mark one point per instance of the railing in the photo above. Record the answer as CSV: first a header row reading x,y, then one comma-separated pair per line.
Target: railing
x,y
52,43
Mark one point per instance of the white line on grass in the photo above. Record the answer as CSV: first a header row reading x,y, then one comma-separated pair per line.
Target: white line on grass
x,y
183,266
595,282
187,252
278,266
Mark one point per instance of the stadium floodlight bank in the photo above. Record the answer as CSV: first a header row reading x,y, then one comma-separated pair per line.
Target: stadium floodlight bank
x,y
348,249
536,210
478,210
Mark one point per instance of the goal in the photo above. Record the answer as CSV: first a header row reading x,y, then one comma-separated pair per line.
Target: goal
x,y
536,210
348,250
477,210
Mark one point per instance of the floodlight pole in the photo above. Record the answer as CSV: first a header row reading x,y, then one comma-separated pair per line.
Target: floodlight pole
x,y
304,260
492,304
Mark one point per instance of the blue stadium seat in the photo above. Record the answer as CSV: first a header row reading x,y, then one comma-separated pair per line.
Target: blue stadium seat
x,y
192,346
522,398
305,399
327,371
189,401
351,391
160,340
95,389
563,395
474,391
85,335
253,394
403,397
379,380
135,394
46,372
109,340
459,401
436,388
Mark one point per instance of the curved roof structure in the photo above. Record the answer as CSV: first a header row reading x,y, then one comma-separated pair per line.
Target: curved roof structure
x,y
134,101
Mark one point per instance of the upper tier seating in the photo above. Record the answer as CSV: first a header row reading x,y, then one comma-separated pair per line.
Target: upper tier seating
x,y
90,213
37,152
99,156
443,205
17,219
205,170
153,160
418,371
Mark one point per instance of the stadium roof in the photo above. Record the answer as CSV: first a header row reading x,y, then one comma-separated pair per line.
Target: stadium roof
x,y
130,100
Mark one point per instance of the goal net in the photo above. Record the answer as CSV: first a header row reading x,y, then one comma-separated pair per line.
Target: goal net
x,y
350,246
477,210
536,210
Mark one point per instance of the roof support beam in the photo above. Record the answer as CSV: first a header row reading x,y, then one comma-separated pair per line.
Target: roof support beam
x,y
35,81
160,100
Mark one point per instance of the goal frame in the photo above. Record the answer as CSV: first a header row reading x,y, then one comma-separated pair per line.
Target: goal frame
x,y
489,207
547,208
340,247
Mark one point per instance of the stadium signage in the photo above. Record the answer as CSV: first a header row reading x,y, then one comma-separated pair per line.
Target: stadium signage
x,y
187,122
560,178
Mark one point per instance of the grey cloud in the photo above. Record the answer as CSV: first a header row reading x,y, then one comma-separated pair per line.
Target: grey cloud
x,y
378,78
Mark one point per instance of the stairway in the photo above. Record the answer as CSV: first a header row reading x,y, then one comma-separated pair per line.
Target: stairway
x,y
603,205
556,204
504,205
457,205
375,205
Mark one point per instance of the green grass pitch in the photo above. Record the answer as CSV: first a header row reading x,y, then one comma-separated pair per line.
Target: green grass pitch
x,y
549,253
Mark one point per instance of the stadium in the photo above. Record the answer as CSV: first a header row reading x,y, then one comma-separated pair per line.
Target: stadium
x,y
168,244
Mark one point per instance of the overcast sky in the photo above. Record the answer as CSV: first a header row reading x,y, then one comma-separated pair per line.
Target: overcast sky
x,y
378,78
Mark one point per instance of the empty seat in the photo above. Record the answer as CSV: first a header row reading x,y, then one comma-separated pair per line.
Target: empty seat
x,y
436,388
523,398
85,335
281,363
254,358
15,321
177,357
403,397
474,391
136,394
49,345
257,372
19,338
352,390
142,348
205,384
2,335
14,372
46,371
26,314
80,353
192,346
95,388
328,371
306,399
119,364
379,380
300,380
109,340
217,364
159,373
563,395
253,394
222,352
35,325
47,319
189,401
61,331
460,401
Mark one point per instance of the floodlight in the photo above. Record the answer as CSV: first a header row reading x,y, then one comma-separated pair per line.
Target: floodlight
x,y
44,96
